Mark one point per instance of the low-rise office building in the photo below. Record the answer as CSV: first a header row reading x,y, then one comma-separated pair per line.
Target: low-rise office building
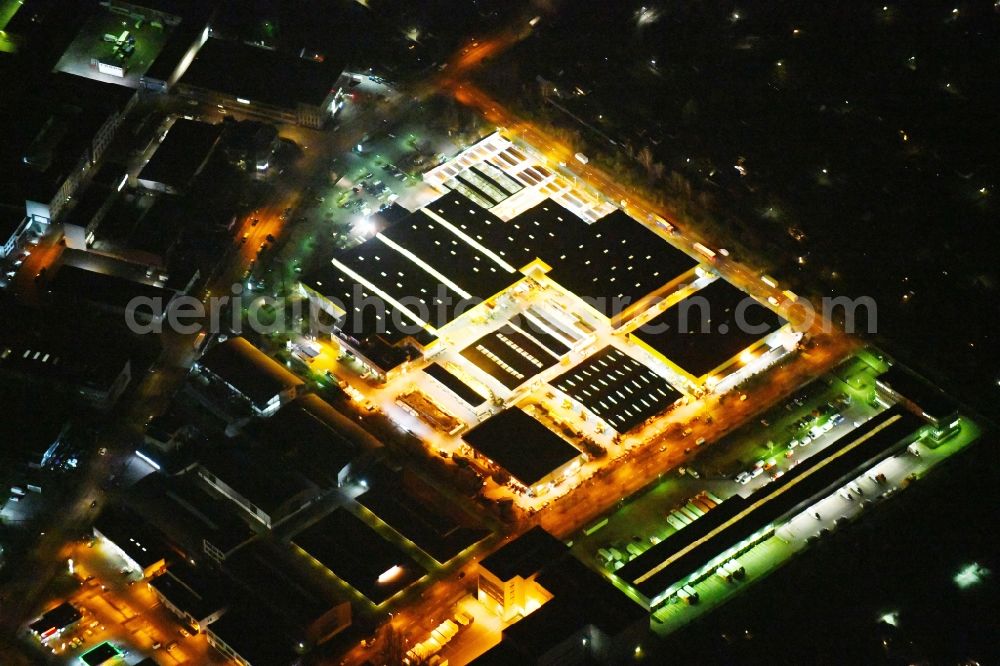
x,y
14,226
196,522
570,614
507,576
53,140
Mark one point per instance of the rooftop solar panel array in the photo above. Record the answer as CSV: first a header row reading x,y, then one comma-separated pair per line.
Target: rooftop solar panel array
x,y
613,262
617,388
509,356
360,320
472,271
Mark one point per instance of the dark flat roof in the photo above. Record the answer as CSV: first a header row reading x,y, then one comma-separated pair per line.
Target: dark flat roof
x,y
73,282
305,435
132,534
179,41
617,388
928,398
471,270
403,279
517,442
185,149
525,556
617,261
194,591
249,370
185,511
49,121
278,578
358,555
361,323
581,597
509,355
261,75
503,653
613,258
85,207
433,532
30,346
101,654
57,618
451,382
737,518
484,227
256,634
257,475
678,333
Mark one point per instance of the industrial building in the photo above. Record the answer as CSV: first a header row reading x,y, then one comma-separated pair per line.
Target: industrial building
x,y
249,375
258,483
278,581
135,541
195,596
33,350
562,611
313,438
180,157
253,637
275,85
408,507
617,389
447,262
514,441
355,553
740,523
712,333
900,385
510,356
110,284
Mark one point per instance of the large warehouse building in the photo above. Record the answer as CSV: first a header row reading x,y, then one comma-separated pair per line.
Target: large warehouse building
x,y
740,523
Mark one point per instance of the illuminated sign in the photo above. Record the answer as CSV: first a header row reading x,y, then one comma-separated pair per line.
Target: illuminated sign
x,y
111,70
